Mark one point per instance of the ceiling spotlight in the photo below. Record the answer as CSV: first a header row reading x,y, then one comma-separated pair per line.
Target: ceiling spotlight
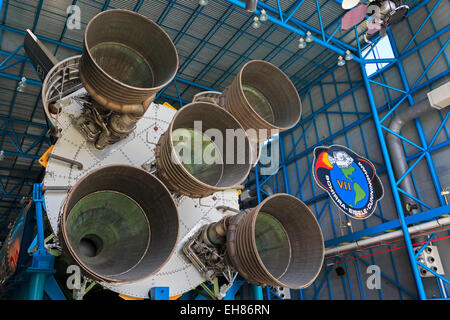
x,y
256,24
203,2
348,55
341,61
309,37
22,85
301,43
263,16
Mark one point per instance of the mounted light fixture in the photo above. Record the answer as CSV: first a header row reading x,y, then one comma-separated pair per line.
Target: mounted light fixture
x,y
256,24
263,16
203,2
341,61
301,43
309,37
22,85
250,5
348,55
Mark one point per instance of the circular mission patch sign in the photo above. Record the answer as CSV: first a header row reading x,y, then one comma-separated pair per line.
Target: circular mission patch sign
x,y
349,179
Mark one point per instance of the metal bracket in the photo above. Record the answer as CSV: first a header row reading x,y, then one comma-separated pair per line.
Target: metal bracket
x,y
149,166
56,188
77,164
282,292
226,208
430,258
208,259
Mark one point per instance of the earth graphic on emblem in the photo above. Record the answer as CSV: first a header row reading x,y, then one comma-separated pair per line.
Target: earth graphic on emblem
x,y
351,185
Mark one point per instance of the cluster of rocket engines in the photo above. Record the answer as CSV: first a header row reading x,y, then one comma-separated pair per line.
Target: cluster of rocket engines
x,y
127,59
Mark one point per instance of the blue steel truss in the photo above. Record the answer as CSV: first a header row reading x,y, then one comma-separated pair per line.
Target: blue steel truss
x,y
378,115
306,78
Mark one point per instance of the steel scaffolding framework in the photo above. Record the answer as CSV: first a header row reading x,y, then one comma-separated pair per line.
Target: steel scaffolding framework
x,y
426,150
306,78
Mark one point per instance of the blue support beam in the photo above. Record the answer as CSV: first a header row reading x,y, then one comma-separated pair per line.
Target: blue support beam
x,y
395,192
298,23
45,39
52,289
295,30
138,5
159,293
231,293
391,225
425,148
43,262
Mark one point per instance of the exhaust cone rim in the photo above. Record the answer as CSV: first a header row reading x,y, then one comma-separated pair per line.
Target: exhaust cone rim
x,y
155,26
172,209
260,209
92,237
180,165
285,78
306,244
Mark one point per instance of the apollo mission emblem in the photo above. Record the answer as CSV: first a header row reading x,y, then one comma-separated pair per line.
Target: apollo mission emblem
x,y
349,179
